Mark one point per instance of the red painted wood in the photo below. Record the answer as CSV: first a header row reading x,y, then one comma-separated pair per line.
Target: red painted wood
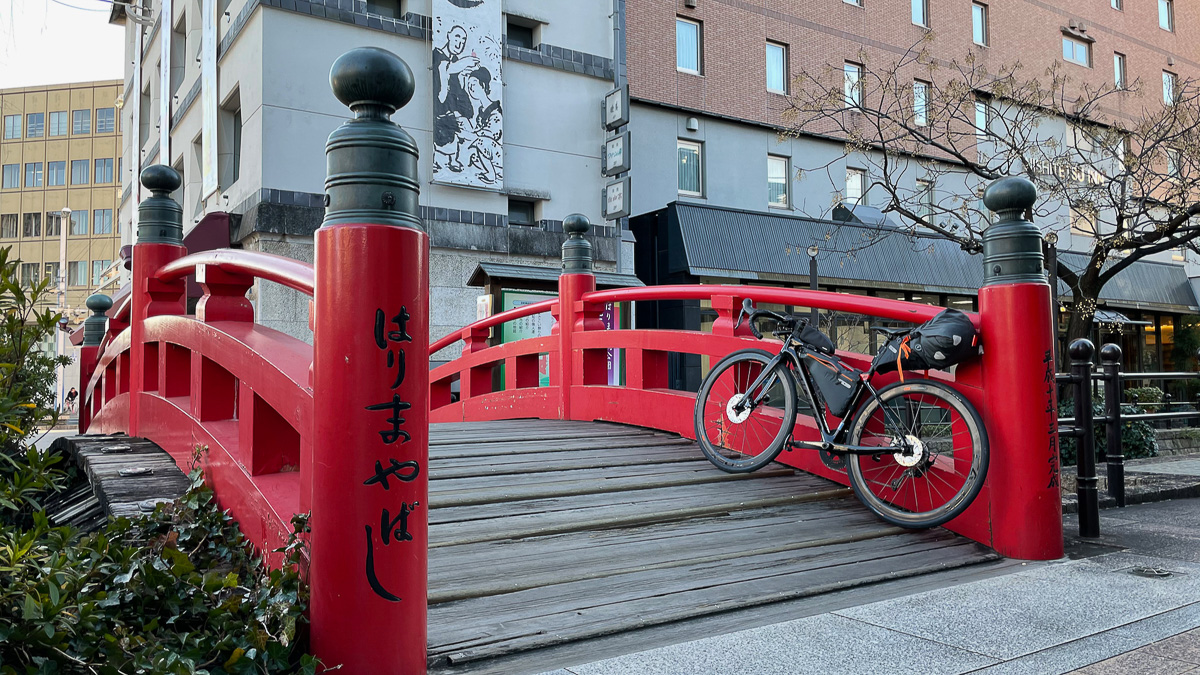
x,y
369,525
149,297
281,270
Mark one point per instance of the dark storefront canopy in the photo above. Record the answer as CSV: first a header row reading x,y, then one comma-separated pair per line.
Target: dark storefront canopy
x,y
765,247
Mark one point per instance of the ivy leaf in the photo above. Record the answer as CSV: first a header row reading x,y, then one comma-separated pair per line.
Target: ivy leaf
x,y
237,656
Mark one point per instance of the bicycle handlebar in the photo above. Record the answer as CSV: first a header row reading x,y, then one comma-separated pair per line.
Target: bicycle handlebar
x,y
751,315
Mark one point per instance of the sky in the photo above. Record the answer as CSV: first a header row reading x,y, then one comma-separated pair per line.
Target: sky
x,y
58,41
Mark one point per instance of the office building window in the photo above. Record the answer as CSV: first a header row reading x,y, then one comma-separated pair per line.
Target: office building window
x,y
79,222
521,212
1174,164
81,122
1166,14
53,223
1118,4
852,84
979,23
12,176
29,274
79,172
925,200
691,175
777,181
1170,87
519,34
1083,219
8,225
920,12
104,171
856,3
35,125
12,126
1077,51
102,221
77,273
856,187
33,174
1119,70
51,271
98,267
56,173
687,45
106,120
920,102
33,225
983,115
777,70
388,8
58,123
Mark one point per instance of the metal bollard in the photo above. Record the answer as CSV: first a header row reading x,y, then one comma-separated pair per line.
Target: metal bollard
x,y
1081,352
1110,364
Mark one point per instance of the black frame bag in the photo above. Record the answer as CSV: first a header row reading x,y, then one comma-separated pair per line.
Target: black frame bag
x,y
835,381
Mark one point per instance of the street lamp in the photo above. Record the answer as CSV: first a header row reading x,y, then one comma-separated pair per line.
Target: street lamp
x,y
60,341
812,281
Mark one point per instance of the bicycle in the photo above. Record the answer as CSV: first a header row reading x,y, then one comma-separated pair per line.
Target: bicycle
x,y
916,451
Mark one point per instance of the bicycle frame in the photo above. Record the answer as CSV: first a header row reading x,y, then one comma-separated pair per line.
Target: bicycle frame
x,y
792,362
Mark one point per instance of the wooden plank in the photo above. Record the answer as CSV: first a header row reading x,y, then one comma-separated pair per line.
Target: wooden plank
x,y
503,633
653,499
521,447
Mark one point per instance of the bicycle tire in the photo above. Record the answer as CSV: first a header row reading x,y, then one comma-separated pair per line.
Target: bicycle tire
x,y
881,486
742,445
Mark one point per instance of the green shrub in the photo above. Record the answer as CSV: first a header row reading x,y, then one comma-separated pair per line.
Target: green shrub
x,y
1145,397
1137,438
175,591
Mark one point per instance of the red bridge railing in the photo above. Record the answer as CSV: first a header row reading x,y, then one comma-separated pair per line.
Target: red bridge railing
x,y
340,428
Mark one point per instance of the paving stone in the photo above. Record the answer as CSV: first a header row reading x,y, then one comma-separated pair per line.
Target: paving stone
x,y
1182,647
825,644
1138,662
1030,611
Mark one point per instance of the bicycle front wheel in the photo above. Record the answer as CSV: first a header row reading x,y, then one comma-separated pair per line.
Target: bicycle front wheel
x,y
933,454
744,440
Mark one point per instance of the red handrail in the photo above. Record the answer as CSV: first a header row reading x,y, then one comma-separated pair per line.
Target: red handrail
x,y
285,271
494,320
899,310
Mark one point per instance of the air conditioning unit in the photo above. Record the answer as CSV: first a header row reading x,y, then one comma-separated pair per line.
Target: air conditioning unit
x,y
689,3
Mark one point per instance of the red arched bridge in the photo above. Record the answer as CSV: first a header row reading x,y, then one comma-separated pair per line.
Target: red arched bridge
x,y
346,429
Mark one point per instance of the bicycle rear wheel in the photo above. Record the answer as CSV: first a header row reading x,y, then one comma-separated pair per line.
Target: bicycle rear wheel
x,y
946,467
746,440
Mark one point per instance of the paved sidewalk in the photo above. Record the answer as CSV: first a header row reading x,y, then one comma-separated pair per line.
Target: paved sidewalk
x,y
1173,656
1127,603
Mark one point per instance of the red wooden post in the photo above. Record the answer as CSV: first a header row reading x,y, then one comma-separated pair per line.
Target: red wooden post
x,y
576,279
159,241
370,384
1018,379
93,335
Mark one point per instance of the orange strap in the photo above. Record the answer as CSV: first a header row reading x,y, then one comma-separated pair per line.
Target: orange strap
x,y
904,350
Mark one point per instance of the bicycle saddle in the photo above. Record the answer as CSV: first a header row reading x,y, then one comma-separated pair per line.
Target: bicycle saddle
x,y
890,332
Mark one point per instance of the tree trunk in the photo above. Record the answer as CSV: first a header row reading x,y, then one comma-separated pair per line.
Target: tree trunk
x,y
1083,309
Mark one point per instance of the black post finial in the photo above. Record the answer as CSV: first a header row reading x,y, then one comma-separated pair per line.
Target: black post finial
x,y
576,251
371,162
96,324
1012,246
160,218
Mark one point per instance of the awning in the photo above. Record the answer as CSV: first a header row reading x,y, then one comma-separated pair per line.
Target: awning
x,y
1109,316
542,275
741,245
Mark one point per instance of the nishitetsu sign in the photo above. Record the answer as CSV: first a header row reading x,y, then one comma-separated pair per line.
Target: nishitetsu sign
x,y
1063,169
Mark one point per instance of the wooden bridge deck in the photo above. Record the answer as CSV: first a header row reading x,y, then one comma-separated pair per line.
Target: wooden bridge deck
x,y
546,534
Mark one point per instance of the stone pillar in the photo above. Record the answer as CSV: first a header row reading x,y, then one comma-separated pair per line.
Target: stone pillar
x,y
369,462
